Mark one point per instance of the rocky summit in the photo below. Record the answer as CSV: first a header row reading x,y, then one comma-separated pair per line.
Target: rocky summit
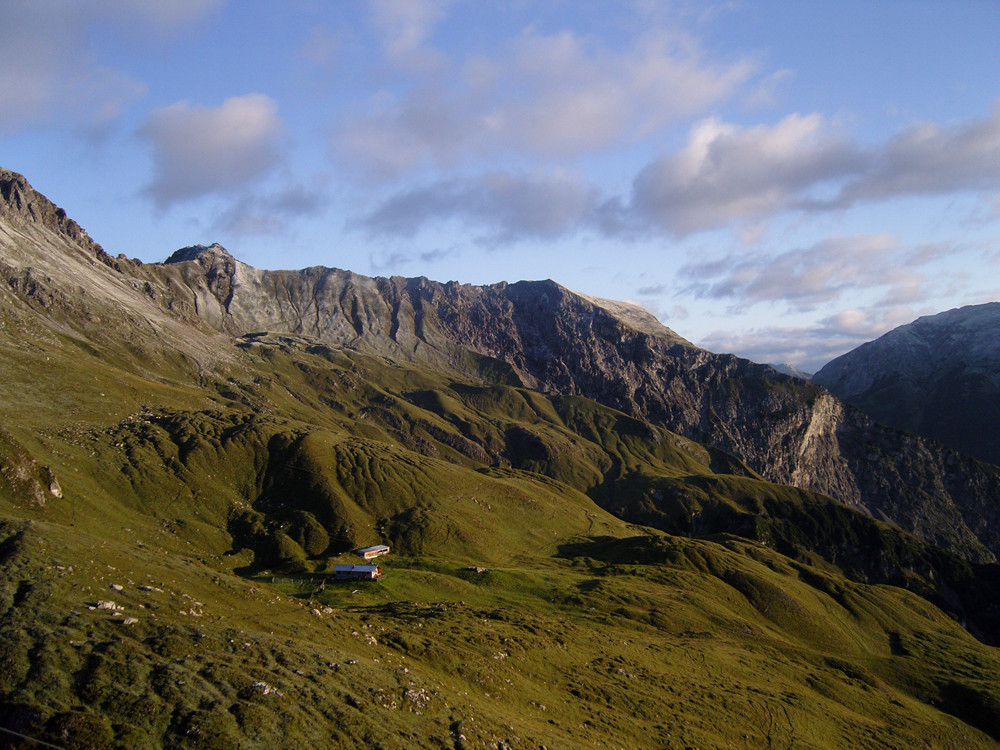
x,y
598,534
938,376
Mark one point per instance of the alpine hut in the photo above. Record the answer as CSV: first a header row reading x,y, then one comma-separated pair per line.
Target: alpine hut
x,y
371,552
357,572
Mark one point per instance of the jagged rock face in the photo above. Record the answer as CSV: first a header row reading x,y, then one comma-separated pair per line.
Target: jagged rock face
x,y
538,333
50,266
554,340
938,376
22,206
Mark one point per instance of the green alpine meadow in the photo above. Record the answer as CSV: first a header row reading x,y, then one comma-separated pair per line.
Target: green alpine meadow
x,y
600,536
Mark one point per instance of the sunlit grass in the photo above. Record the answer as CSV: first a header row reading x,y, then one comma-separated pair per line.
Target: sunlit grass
x,y
515,608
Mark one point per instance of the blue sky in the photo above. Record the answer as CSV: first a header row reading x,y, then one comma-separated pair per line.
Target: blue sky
x,y
776,178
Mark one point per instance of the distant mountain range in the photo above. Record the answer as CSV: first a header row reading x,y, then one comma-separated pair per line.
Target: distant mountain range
x,y
600,533
938,376
542,336
788,369
537,335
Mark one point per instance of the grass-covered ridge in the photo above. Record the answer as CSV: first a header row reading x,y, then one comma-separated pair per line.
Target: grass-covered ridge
x,y
528,601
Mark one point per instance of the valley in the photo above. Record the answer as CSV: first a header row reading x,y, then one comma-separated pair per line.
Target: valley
x,y
626,542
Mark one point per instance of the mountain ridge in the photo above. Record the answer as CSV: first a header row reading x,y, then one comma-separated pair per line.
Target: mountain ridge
x,y
177,482
938,376
545,337
558,342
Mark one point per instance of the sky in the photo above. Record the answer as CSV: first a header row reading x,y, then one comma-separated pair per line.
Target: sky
x,y
780,179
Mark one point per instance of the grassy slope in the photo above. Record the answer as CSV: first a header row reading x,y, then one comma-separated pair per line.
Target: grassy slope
x,y
206,499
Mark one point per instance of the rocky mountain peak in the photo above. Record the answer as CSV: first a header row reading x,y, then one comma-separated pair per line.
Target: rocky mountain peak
x,y
197,252
14,190
636,317
938,376
21,204
966,336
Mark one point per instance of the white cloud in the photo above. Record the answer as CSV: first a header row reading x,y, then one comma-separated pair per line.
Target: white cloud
x,y
405,26
438,254
867,323
547,96
805,278
257,213
932,159
765,92
727,173
201,150
654,290
510,207
50,74
583,95
797,346
428,128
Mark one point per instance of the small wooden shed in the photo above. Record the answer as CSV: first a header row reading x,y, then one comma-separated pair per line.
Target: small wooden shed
x,y
357,572
375,551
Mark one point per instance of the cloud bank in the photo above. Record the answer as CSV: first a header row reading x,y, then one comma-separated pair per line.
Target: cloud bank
x,y
544,96
929,159
723,175
501,206
804,278
726,173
